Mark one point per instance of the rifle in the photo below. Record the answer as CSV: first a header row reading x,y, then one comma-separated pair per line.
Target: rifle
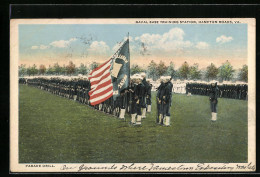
x,y
171,93
162,103
125,102
157,102
158,105
130,100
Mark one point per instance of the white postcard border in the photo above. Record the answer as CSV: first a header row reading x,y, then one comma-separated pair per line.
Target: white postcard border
x,y
15,166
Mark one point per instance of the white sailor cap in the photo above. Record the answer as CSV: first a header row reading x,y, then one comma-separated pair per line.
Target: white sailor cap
x,y
143,74
240,82
225,82
139,78
162,77
131,77
135,77
149,80
167,77
213,81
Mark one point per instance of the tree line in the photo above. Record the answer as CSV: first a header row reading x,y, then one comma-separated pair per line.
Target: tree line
x,y
56,69
225,72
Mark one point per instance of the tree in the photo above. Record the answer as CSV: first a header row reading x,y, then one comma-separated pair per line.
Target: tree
x,y
161,68
57,68
226,71
32,70
194,72
243,73
29,71
63,70
50,70
184,70
82,69
71,68
170,70
42,69
22,70
177,74
136,69
93,65
152,70
211,72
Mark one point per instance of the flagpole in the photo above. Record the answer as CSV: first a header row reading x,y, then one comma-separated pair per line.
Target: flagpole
x,y
118,49
129,74
129,56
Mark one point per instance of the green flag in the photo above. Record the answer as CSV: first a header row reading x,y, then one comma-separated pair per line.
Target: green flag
x,y
120,70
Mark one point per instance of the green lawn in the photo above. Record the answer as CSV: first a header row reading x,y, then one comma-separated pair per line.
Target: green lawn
x,y
57,130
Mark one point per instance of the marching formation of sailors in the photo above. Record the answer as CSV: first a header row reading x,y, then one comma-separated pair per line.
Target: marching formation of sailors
x,y
179,87
137,98
73,88
233,91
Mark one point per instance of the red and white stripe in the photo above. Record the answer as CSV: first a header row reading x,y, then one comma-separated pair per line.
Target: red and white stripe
x,y
101,84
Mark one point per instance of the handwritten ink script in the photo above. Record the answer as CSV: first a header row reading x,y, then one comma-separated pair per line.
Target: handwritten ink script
x,y
65,167
86,168
151,167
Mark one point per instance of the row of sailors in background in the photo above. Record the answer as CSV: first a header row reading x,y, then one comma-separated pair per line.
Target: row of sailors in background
x,y
178,87
238,91
226,90
72,88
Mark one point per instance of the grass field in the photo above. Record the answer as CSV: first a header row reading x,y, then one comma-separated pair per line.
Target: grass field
x,y
57,130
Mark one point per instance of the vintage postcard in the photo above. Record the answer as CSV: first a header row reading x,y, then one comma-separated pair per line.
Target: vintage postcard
x,y
132,95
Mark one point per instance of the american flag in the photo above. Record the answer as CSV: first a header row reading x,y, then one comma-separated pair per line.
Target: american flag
x,y
117,68
101,83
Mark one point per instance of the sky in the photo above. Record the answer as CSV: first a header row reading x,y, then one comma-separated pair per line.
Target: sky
x,y
84,43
